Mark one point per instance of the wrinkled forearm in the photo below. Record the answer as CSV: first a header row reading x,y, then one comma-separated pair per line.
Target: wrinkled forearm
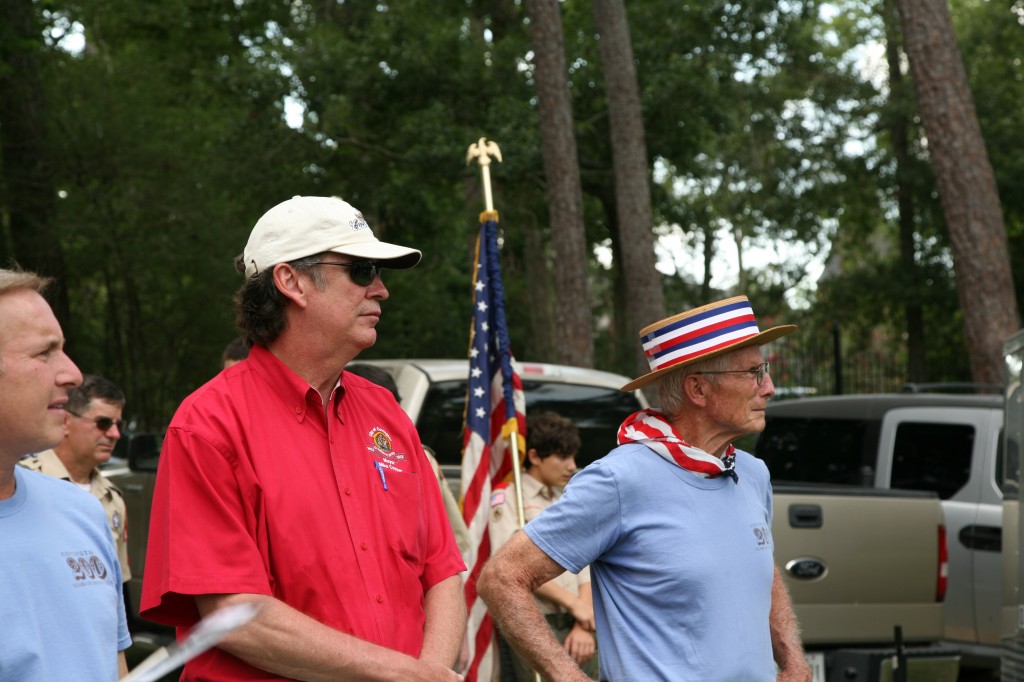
x,y
506,586
785,633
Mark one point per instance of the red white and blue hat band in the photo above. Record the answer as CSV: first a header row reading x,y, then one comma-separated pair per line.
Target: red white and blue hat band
x,y
699,335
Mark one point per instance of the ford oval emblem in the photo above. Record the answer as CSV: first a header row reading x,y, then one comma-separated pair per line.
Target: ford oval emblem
x,y
806,568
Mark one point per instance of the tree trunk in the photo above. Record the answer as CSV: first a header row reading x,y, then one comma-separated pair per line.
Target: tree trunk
x,y
562,174
917,368
967,189
629,156
709,257
27,177
741,281
544,339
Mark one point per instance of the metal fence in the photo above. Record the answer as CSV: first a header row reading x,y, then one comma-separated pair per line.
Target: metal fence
x,y
816,363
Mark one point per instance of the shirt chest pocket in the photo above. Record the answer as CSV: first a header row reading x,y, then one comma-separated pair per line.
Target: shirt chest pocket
x,y
398,503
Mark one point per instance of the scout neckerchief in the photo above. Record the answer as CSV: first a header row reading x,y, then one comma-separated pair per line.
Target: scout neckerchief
x,y
650,428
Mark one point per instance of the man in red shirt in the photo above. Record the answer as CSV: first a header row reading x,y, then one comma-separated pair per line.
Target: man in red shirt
x,y
289,483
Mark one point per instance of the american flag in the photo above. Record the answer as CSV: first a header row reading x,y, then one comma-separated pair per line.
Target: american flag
x,y
495,411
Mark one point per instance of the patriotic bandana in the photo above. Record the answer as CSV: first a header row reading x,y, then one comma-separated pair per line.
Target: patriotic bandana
x,y
650,428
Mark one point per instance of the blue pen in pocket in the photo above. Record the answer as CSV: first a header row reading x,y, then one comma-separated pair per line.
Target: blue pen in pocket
x,y
380,470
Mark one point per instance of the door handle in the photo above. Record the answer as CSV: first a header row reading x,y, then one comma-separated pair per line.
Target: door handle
x,y
806,516
982,538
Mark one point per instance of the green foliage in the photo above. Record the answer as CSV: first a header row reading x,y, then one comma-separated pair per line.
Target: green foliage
x,y
169,140
154,131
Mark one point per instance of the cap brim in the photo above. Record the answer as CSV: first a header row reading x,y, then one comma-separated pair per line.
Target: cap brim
x,y
767,336
387,255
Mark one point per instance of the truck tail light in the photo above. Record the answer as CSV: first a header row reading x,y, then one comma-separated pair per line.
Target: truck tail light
x,y
943,581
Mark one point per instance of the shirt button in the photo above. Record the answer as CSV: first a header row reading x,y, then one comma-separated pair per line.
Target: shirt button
x,y
348,491
363,545
380,599
298,410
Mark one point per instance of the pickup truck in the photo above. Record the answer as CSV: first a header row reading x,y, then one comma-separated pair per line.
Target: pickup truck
x,y
945,444
837,544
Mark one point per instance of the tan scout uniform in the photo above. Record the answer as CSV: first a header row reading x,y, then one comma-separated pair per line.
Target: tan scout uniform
x,y
451,506
106,492
503,524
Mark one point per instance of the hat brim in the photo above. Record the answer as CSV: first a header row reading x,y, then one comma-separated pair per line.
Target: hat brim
x,y
386,255
767,336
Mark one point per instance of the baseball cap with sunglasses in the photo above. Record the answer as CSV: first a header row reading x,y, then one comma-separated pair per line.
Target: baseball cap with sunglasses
x,y
307,226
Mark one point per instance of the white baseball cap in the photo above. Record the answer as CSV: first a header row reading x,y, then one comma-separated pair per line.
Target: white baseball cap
x,y
306,226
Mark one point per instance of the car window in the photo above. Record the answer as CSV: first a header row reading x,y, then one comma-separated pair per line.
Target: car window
x,y
440,420
597,412
835,451
930,456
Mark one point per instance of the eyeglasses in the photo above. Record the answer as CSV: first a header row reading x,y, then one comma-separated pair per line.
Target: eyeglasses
x,y
758,372
102,423
362,272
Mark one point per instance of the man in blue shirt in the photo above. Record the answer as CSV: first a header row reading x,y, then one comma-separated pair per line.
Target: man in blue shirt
x,y
60,582
675,525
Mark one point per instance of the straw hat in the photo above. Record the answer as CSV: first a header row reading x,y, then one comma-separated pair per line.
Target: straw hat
x,y
702,333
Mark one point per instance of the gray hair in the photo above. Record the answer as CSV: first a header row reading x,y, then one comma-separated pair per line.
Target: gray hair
x,y
671,394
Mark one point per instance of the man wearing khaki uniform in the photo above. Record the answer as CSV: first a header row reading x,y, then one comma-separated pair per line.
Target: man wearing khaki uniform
x,y
92,427
565,601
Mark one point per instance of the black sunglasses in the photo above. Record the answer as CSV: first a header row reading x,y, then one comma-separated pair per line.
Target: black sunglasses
x,y
362,272
102,423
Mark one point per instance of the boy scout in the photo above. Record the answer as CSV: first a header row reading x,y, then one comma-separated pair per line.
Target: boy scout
x,y
552,442
92,427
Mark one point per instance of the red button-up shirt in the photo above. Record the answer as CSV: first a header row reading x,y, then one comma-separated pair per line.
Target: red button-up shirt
x,y
335,512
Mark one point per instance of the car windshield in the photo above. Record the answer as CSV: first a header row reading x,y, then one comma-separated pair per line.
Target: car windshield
x,y
596,411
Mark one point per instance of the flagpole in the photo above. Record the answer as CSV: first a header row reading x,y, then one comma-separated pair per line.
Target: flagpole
x,y
482,150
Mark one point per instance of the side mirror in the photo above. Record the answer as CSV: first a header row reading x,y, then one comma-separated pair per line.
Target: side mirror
x,y
144,451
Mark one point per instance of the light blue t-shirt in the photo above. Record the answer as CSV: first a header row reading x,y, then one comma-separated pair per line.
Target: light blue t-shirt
x,y
681,565
61,604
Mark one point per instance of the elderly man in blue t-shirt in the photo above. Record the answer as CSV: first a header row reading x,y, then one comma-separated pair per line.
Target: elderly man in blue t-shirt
x,y
675,524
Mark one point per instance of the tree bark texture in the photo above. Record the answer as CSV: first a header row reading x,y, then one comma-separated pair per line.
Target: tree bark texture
x,y
545,339
967,189
562,174
632,184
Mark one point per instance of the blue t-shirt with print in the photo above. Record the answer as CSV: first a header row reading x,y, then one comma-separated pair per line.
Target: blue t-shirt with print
x,y
61,602
681,565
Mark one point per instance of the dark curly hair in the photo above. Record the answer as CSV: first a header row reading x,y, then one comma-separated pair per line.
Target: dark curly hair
x,y
259,306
